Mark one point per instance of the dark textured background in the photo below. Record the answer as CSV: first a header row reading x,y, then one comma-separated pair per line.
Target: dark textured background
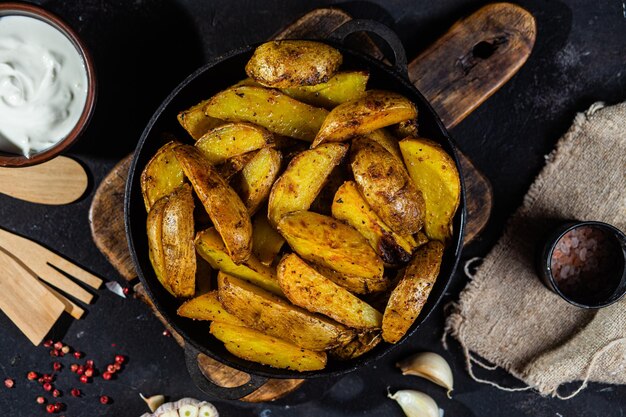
x,y
144,48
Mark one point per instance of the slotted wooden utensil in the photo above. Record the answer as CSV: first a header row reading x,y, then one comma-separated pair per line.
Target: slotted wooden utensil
x,y
46,264
59,181
26,301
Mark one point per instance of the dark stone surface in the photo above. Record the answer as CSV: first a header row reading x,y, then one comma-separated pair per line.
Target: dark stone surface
x,y
143,48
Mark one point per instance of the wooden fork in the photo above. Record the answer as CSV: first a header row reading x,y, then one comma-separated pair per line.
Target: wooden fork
x,y
46,265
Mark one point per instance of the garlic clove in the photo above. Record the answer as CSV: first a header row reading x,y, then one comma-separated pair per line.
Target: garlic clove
x,y
208,410
188,411
153,402
169,413
431,366
415,403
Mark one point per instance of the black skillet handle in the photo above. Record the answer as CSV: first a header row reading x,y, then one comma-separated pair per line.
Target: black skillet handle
x,y
388,35
214,390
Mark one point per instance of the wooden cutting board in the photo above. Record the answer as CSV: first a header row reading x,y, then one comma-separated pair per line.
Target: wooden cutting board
x,y
461,70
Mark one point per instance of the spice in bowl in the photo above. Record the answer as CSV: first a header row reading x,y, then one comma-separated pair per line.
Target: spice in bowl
x,y
583,262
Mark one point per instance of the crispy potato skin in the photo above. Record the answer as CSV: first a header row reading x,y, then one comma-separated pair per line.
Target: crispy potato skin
x,y
434,173
207,307
225,208
293,63
232,139
385,184
387,141
342,87
350,207
257,347
353,283
303,179
234,165
177,234
363,343
266,241
276,317
210,246
307,288
411,293
258,177
154,226
275,111
195,122
332,244
162,175
375,110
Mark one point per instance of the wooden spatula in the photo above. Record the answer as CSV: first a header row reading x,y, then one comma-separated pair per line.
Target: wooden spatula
x,y
30,305
58,181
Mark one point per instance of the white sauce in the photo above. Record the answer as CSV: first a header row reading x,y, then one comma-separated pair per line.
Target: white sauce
x,y
43,85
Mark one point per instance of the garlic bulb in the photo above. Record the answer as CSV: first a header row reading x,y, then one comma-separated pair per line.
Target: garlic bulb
x,y
431,366
153,402
186,407
415,403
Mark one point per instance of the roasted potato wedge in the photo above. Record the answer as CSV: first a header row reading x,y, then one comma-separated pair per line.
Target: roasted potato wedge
x,y
179,255
207,307
221,202
257,347
275,111
195,122
354,283
307,288
154,226
387,141
232,139
210,246
266,241
330,243
363,343
303,179
411,293
407,128
434,173
257,178
350,207
385,184
234,165
162,175
293,63
276,317
342,87
375,110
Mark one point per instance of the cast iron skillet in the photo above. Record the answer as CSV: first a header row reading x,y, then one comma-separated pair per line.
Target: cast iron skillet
x,y
208,80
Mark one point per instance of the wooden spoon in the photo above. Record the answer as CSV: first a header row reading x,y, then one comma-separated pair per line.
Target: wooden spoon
x,y
58,181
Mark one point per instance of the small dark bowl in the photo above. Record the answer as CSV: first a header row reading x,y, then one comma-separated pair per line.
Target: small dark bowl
x,y
615,284
30,10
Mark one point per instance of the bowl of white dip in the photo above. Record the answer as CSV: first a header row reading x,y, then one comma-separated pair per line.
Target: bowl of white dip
x,y
47,85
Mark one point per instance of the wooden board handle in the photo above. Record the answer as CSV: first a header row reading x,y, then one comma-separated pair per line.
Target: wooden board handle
x,y
473,60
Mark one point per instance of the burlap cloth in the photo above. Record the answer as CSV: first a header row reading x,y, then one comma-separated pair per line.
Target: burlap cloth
x,y
505,314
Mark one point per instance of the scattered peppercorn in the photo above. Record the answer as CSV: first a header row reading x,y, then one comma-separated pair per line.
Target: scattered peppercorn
x,y
9,383
41,400
104,399
75,392
32,375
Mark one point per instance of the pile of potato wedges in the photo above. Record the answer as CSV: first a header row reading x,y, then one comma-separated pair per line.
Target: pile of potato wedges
x,y
319,214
